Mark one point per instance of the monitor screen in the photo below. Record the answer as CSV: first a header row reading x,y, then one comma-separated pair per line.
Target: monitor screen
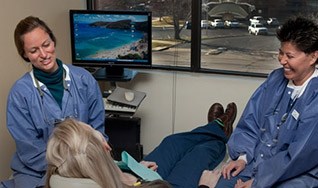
x,y
111,39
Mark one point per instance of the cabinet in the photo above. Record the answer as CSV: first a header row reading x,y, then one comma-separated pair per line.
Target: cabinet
x,y
123,131
124,134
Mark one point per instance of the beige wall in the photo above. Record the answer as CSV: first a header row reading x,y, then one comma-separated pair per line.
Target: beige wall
x,y
179,101
55,13
175,101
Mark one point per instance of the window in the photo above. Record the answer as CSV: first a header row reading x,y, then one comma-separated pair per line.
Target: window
x,y
214,35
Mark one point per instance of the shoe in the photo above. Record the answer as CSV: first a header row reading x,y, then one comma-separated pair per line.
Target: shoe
x,y
215,111
228,118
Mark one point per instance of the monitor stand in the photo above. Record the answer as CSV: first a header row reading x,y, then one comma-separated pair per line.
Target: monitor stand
x,y
115,74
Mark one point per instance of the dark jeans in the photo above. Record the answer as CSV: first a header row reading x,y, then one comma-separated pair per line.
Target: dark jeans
x,y
182,157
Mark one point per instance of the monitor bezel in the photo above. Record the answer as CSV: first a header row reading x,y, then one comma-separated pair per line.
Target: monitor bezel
x,y
105,64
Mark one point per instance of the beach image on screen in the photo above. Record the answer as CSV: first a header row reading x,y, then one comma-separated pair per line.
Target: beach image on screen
x,y
111,37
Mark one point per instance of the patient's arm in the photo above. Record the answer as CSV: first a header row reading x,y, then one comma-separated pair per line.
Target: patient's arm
x,y
150,164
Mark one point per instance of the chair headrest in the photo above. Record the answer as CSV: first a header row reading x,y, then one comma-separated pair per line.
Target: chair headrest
x,y
57,181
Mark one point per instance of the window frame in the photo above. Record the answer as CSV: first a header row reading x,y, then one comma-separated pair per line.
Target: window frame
x,y
195,51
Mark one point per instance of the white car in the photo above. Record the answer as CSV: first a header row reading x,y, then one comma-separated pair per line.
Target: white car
x,y
232,23
257,19
217,23
257,28
205,24
272,22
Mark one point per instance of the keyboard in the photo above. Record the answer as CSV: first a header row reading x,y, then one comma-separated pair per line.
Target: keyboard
x,y
113,107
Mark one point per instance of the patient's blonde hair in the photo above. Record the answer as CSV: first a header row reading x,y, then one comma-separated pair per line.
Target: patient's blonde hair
x,y
76,150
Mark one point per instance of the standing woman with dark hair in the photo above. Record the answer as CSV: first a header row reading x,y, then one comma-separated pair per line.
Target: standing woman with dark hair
x,y
49,93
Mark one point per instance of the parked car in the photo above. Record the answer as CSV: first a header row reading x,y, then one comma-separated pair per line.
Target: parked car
x,y
258,19
205,24
232,23
217,23
272,22
257,28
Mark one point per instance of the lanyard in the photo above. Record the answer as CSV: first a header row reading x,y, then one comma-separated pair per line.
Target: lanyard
x,y
290,106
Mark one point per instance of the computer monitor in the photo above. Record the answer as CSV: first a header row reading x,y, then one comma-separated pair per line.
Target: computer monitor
x,y
112,40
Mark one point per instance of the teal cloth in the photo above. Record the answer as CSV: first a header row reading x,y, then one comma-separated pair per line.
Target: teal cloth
x,y
53,81
129,163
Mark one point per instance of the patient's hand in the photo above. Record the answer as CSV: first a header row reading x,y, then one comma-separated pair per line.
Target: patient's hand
x,y
150,164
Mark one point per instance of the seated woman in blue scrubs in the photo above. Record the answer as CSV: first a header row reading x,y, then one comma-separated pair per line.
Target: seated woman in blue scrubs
x,y
275,141
49,93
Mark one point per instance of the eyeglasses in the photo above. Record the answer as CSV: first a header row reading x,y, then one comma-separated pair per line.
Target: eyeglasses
x,y
55,168
55,122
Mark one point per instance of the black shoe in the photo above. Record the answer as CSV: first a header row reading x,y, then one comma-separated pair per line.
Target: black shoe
x,y
215,111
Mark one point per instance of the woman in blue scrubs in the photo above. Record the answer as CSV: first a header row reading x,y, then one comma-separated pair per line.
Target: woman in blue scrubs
x,y
49,93
275,141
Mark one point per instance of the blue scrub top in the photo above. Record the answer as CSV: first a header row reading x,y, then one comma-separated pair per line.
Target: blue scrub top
x,y
278,154
31,119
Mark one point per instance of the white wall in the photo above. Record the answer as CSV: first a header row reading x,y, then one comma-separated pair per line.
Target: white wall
x,y
175,101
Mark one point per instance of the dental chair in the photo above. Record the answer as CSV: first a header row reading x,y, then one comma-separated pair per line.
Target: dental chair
x,y
57,181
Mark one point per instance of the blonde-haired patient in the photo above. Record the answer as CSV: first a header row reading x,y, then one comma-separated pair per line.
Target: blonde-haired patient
x,y
77,150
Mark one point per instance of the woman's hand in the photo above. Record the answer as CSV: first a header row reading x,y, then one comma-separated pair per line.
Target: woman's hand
x,y
241,184
106,145
210,178
150,164
233,168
